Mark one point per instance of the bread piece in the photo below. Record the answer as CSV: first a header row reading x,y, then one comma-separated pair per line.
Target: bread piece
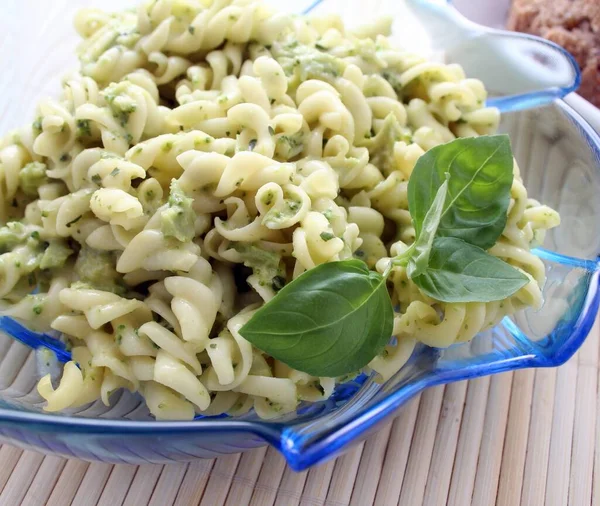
x,y
572,24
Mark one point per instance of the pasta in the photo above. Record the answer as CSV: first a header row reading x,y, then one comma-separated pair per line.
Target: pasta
x,y
206,154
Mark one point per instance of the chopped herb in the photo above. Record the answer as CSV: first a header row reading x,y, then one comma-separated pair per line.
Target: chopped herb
x,y
114,172
212,346
37,309
327,236
278,283
191,29
271,131
96,179
72,222
328,213
65,157
83,128
291,144
44,214
237,406
35,235
268,198
37,125
275,406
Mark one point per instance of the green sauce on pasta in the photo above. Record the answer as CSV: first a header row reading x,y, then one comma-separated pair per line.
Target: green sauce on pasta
x,y
200,161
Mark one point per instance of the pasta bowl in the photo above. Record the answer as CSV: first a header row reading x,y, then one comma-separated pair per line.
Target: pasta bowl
x,y
559,156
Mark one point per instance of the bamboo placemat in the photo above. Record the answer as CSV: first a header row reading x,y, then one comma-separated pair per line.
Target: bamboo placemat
x,y
531,437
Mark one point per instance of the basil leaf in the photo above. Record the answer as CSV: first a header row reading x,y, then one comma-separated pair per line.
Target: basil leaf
x,y
330,321
461,272
422,246
481,175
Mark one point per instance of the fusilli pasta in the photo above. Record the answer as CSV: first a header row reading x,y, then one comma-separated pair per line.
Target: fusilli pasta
x,y
206,154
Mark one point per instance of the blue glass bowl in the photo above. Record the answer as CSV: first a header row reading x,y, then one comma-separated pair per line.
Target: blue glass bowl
x,y
559,157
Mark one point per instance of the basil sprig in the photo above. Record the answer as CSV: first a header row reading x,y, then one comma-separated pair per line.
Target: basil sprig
x,y
334,319
329,321
481,175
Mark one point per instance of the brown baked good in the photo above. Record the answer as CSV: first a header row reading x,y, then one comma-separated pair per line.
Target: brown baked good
x,y
574,25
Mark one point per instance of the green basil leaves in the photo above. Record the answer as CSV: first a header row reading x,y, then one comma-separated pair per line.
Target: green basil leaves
x,y
334,319
478,172
419,259
330,321
481,174
461,272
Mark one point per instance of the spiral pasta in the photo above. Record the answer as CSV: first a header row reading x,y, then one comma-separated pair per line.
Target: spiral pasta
x,y
206,154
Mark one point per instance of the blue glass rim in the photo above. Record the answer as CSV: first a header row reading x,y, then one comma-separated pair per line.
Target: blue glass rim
x,y
536,98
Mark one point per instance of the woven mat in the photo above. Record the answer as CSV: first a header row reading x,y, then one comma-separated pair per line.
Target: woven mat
x,y
530,437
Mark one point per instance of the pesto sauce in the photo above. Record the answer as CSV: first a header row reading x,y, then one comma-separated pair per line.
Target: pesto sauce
x,y
55,255
307,62
178,219
96,269
31,177
381,145
266,265
11,234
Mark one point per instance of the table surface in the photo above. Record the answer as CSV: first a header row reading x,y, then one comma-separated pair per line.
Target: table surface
x,y
530,437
